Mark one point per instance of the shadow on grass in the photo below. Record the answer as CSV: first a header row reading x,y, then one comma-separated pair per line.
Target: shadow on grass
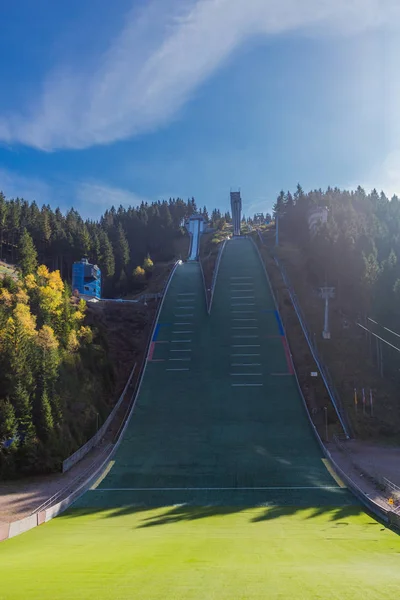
x,y
152,516
336,513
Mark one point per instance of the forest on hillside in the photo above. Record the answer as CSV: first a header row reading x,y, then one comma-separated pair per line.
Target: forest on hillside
x,y
54,371
55,376
118,242
357,251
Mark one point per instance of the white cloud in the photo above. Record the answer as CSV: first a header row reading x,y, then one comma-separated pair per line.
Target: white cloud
x,y
162,55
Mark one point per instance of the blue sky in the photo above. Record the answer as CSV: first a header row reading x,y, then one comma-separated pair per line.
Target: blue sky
x,y
151,99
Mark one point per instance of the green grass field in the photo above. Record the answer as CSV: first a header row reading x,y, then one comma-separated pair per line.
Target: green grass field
x,y
204,553
218,489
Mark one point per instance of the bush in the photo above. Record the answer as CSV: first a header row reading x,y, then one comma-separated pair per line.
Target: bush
x,y
148,264
139,275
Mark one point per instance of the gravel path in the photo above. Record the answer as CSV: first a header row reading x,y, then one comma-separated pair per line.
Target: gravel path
x,y
22,497
367,465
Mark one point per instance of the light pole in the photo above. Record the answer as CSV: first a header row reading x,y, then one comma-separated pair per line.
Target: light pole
x,y
326,293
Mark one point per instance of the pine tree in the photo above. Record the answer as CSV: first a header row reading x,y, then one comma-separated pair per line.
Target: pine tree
x,y
21,401
121,249
279,205
27,253
43,417
3,220
83,242
8,422
48,360
107,260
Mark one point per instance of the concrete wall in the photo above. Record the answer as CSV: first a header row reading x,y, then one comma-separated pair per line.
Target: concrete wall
x,y
23,525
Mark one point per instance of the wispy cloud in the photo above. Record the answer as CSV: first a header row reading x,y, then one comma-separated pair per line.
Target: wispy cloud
x,y
257,206
15,185
162,55
92,195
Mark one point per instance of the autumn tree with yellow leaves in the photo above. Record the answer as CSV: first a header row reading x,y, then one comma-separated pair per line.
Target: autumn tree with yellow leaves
x,y
43,347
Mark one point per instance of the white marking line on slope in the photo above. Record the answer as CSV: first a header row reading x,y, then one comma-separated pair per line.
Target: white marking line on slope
x,y
241,278
246,345
243,312
184,359
182,323
245,364
237,354
247,384
177,369
183,350
244,319
245,336
186,294
243,303
246,327
180,332
246,374
185,307
249,284
218,489
242,298
180,341
181,316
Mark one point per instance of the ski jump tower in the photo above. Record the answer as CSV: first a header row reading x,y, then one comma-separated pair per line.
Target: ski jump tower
x,y
236,206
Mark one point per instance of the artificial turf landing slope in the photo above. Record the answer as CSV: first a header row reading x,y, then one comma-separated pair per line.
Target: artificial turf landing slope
x,y
219,419
218,430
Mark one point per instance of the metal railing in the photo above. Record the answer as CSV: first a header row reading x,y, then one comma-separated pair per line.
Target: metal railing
x,y
139,299
383,483
323,369
215,274
204,283
378,510
139,380
83,450
72,484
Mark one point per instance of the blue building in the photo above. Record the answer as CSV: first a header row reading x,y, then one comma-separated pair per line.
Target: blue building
x,y
86,279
